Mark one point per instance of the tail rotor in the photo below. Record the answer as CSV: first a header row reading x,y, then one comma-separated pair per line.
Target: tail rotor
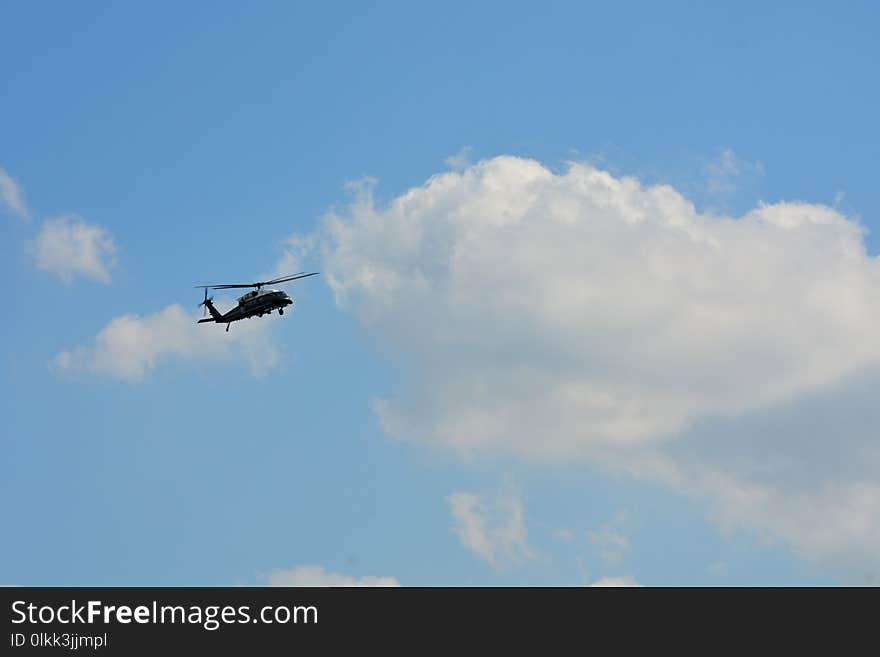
x,y
204,304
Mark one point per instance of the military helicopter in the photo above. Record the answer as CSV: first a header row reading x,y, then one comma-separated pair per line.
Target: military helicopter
x,y
257,302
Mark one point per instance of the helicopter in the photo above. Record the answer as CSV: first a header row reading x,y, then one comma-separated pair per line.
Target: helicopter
x,y
257,302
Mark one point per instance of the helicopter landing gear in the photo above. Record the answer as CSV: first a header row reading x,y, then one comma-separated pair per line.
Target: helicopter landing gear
x,y
227,328
281,311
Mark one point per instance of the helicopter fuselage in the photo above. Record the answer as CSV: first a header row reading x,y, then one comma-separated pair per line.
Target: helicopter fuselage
x,y
256,303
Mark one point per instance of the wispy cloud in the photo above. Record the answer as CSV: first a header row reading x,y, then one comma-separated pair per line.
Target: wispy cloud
x,y
726,172
609,541
492,525
70,246
318,576
296,249
461,160
11,195
131,346
616,582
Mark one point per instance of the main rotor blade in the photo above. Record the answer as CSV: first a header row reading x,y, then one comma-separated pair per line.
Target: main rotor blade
x,y
283,279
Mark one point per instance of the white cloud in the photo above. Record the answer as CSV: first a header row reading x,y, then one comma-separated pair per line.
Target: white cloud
x,y
519,300
130,346
11,195
609,541
317,576
616,582
492,525
69,246
575,314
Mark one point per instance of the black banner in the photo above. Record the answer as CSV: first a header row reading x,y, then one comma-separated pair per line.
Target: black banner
x,y
413,620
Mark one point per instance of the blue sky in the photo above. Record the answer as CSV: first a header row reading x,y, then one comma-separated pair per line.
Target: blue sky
x,y
199,138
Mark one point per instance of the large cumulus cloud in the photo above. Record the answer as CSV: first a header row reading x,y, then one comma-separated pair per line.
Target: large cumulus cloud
x,y
553,313
576,314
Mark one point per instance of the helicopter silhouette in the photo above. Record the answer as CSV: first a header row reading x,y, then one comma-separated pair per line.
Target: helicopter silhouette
x,y
256,303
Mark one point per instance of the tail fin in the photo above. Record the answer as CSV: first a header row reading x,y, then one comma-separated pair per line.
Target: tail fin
x,y
211,309
215,316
